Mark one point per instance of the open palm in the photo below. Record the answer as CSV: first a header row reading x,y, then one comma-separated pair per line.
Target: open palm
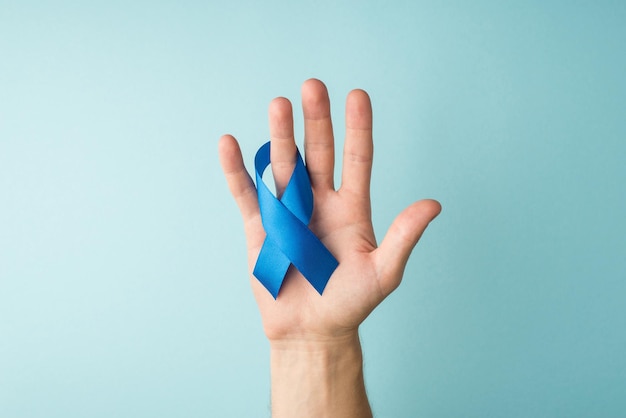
x,y
367,273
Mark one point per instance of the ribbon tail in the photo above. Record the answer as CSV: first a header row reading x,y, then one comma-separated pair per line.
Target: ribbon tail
x,y
271,267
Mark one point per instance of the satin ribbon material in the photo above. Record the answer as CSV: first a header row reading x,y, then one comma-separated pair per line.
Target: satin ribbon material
x,y
289,239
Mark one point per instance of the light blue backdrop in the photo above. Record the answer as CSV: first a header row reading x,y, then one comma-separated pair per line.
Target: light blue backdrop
x,y
123,288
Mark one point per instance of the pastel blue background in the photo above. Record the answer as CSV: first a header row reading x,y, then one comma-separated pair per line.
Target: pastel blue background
x,y
123,287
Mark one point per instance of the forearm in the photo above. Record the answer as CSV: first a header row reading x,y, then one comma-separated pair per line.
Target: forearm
x,y
318,379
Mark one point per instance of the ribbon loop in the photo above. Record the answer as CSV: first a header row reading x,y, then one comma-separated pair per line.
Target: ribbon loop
x,y
289,239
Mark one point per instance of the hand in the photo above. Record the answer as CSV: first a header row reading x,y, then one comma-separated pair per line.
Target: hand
x,y
341,219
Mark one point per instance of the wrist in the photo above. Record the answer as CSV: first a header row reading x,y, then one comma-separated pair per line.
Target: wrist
x,y
318,377
315,342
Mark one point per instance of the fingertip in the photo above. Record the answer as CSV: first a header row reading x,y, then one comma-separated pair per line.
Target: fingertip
x,y
430,206
226,142
358,110
229,153
313,85
280,106
315,100
358,95
281,121
420,213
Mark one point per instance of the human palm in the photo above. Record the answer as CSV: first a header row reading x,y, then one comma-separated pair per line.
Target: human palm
x,y
341,219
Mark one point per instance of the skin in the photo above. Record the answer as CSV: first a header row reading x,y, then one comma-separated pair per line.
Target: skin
x,y
316,359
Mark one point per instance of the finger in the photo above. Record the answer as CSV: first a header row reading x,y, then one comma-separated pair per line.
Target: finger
x,y
405,231
283,149
358,149
319,145
239,181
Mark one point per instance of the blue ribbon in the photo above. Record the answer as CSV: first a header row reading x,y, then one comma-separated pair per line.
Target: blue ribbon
x,y
289,239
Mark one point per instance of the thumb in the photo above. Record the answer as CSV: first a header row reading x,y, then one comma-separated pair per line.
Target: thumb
x,y
403,234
